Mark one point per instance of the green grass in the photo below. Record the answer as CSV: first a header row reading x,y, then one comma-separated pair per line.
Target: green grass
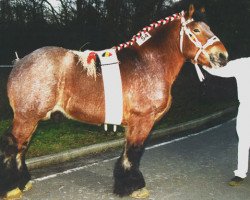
x,y
53,137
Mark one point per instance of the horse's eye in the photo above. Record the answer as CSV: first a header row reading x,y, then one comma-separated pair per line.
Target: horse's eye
x,y
196,30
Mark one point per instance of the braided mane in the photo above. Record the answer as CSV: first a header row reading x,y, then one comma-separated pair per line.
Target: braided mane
x,y
152,26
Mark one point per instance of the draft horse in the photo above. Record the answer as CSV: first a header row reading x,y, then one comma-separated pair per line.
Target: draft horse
x,y
52,79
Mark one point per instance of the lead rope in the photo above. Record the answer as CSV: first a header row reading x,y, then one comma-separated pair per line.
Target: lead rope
x,y
199,73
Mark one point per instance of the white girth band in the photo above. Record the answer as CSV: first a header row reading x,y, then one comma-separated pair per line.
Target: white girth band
x,y
112,87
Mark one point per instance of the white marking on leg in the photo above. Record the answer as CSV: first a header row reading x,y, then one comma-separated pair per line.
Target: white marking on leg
x,y
18,161
7,161
126,163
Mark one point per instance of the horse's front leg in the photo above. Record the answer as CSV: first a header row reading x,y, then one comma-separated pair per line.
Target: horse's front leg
x,y
128,179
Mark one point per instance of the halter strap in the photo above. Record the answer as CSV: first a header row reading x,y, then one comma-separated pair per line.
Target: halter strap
x,y
196,42
184,29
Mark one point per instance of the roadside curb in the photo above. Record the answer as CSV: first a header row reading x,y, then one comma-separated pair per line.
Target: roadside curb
x,y
57,158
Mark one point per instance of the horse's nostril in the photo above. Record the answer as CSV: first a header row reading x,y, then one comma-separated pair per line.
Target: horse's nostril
x,y
223,59
222,56
211,57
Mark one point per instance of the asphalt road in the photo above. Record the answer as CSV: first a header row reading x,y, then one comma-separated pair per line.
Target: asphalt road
x,y
194,167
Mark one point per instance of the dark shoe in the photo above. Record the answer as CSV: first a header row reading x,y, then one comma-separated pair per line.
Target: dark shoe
x,y
236,181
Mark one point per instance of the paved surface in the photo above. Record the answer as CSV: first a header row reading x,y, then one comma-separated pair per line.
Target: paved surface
x,y
196,167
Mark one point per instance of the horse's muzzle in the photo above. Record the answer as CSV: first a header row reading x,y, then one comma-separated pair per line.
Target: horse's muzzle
x,y
219,59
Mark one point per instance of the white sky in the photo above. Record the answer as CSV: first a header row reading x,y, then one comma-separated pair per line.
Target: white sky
x,y
54,3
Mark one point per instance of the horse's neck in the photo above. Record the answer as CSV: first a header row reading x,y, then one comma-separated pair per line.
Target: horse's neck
x,y
163,51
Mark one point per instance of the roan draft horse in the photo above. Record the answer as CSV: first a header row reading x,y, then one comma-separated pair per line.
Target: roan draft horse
x,y
52,79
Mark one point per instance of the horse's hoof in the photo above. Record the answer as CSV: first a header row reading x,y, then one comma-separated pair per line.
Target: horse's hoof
x,y
27,187
13,194
140,194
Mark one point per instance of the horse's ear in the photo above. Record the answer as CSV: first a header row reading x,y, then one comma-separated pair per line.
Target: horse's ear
x,y
191,10
202,10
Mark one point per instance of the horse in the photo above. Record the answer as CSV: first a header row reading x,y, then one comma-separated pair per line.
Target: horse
x,y
54,79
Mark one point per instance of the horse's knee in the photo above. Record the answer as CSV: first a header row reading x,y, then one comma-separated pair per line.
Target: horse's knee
x,y
127,175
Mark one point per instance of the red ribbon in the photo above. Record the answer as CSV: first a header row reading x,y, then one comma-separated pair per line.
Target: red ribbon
x,y
91,56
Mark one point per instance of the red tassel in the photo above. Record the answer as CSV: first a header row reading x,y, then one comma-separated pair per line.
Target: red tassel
x,y
91,56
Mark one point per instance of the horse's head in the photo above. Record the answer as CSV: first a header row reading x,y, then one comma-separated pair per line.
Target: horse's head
x,y
198,43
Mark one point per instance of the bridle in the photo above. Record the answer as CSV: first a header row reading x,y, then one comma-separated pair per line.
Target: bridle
x,y
196,42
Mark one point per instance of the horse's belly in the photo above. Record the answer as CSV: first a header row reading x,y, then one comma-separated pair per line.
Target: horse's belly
x,y
86,110
84,115
57,108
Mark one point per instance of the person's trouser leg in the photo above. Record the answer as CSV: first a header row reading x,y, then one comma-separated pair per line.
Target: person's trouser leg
x,y
243,155
244,141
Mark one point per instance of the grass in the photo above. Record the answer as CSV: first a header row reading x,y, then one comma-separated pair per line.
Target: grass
x,y
51,137
65,135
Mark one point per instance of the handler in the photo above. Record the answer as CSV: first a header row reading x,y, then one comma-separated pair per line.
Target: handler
x,y
239,69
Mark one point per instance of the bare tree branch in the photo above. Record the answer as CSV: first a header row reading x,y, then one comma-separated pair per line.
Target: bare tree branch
x,y
54,12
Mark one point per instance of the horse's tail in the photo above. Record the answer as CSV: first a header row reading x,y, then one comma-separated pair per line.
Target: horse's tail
x,y
14,62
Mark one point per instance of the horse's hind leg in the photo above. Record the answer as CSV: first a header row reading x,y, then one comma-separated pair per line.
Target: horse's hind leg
x,y
127,176
14,174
